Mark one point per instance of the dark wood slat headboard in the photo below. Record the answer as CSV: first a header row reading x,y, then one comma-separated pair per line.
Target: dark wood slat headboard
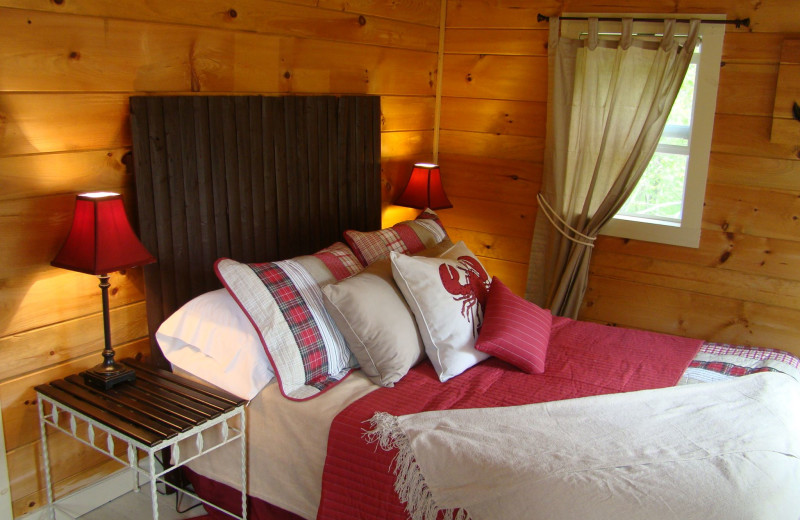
x,y
252,178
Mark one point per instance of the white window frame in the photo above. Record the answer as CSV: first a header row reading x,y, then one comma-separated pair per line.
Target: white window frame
x,y
686,232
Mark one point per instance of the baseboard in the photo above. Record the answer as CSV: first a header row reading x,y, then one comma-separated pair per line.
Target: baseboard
x,y
88,498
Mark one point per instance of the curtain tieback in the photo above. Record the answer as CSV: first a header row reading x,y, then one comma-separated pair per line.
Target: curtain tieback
x,y
552,216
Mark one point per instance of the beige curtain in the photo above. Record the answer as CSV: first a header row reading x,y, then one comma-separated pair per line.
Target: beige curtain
x,y
608,104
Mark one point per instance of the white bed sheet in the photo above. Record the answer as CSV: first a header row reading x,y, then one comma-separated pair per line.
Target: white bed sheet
x,y
287,442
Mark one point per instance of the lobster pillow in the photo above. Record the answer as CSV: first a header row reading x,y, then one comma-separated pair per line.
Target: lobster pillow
x,y
447,296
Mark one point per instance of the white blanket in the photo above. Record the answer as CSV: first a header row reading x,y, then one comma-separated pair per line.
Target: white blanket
x,y
727,450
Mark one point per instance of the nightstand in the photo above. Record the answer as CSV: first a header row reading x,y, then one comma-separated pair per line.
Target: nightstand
x,y
158,411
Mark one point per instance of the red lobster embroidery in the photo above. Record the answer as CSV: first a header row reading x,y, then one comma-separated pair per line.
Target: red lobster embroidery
x,y
471,293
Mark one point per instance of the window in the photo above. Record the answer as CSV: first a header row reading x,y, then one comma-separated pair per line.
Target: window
x,y
660,192
667,204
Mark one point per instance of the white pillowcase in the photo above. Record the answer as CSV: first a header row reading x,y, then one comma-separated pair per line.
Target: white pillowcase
x,y
447,296
211,338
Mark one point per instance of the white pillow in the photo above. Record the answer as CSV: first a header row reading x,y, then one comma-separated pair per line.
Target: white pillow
x,y
211,338
447,296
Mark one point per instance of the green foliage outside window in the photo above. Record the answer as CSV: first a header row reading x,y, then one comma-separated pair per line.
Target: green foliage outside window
x,y
660,191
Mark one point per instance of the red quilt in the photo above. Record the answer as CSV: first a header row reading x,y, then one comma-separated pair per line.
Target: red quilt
x,y
583,359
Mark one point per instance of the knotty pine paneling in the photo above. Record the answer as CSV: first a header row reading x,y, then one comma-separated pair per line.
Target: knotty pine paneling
x,y
99,54
752,211
66,72
498,14
36,123
768,257
495,116
53,344
756,172
418,11
707,280
494,217
514,182
749,47
499,146
485,245
748,136
519,42
368,23
41,175
495,77
755,100
688,313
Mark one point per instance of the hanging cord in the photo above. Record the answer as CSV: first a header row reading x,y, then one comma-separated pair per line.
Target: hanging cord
x,y
551,214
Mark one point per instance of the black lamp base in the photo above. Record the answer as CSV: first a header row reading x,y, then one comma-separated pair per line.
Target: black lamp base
x,y
104,378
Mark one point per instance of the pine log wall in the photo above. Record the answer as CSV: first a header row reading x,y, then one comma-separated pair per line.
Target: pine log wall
x,y
67,69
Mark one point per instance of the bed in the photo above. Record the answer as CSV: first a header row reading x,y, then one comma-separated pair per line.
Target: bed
x,y
272,186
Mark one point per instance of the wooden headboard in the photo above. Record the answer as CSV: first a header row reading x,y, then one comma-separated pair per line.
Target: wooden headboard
x,y
252,178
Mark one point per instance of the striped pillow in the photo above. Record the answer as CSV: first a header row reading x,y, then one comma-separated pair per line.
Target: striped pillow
x,y
514,329
284,303
408,237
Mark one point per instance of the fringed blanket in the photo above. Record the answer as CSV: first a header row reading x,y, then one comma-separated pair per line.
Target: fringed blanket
x,y
728,450
583,359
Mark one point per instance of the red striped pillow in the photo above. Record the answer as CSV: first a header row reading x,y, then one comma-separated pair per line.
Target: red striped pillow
x,y
514,329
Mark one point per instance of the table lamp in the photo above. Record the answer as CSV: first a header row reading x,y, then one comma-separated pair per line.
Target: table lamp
x,y
424,189
101,241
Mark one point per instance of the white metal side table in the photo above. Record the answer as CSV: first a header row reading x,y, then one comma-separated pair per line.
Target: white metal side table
x,y
158,411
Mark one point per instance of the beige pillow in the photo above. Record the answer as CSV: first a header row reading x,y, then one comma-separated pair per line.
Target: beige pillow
x,y
447,295
375,320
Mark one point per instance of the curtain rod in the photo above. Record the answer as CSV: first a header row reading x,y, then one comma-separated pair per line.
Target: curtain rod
x,y
739,22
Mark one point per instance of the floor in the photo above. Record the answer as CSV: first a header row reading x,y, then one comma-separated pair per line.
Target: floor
x,y
136,506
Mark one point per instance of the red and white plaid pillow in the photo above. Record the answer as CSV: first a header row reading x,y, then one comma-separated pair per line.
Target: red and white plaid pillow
x,y
408,237
284,303
339,260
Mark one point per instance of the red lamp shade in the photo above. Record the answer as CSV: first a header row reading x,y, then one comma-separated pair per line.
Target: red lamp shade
x,y
424,189
101,240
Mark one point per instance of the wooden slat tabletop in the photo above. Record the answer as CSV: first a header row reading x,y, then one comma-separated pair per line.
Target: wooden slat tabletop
x,y
157,406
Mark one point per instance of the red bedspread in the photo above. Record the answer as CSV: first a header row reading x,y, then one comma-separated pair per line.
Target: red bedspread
x,y
583,359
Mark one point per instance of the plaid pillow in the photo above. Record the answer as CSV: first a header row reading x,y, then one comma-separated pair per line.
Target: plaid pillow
x,y
340,260
407,237
284,303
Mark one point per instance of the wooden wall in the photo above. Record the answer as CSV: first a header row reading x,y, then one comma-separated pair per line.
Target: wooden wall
x,y
742,285
66,72
67,69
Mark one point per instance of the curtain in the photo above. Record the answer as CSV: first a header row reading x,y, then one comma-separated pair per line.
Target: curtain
x,y
608,103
